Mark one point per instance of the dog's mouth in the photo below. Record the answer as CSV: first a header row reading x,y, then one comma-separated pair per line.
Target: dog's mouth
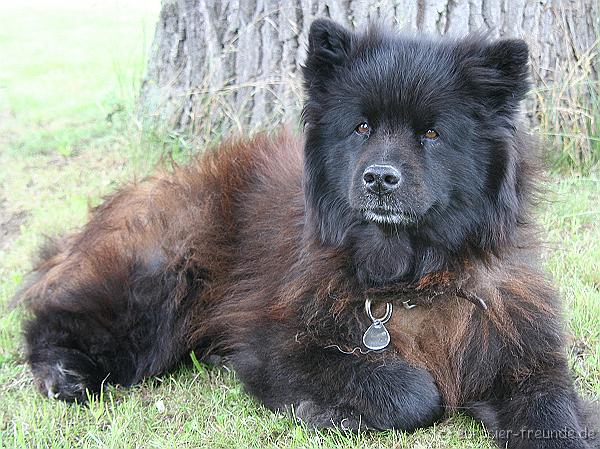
x,y
389,216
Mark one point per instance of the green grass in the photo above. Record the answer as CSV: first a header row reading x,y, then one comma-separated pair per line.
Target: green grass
x,y
62,70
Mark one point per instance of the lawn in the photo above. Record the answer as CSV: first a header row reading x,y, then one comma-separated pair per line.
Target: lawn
x,y
68,79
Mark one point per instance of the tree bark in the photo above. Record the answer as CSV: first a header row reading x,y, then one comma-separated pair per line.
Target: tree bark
x,y
216,65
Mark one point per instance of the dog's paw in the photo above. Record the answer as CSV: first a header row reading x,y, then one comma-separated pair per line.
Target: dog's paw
x,y
315,415
65,374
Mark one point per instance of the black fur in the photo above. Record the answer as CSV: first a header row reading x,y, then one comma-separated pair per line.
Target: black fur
x,y
470,90
126,329
326,387
264,251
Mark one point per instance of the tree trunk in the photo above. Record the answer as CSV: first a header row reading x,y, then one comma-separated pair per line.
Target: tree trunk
x,y
216,64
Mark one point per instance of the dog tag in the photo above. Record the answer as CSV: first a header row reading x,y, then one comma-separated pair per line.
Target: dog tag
x,y
376,336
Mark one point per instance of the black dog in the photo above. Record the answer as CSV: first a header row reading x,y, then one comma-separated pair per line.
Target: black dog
x,y
377,274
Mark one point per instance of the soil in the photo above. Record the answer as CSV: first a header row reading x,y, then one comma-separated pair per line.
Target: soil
x,y
10,225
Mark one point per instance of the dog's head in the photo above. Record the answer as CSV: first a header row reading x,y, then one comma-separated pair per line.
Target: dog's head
x,y
412,133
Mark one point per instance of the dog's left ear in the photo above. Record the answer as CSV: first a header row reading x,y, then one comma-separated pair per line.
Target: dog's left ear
x,y
500,70
329,46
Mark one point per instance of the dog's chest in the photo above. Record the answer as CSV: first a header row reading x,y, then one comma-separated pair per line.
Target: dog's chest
x,y
428,333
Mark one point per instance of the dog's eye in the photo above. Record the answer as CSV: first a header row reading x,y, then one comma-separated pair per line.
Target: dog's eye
x,y
363,129
431,134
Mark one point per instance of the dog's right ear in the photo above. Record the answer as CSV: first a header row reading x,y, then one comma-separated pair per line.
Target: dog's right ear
x,y
329,46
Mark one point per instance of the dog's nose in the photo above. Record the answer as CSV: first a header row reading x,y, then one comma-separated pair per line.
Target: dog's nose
x,y
381,179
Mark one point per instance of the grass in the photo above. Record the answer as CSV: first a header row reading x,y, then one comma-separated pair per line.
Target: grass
x,y
63,70
568,113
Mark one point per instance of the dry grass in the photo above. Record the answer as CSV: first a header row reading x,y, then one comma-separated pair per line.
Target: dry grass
x,y
565,112
568,114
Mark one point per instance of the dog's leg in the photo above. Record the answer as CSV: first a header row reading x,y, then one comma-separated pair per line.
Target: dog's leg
x,y
541,411
328,388
111,304
110,329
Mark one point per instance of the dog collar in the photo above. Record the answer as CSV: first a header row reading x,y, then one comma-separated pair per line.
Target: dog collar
x,y
377,337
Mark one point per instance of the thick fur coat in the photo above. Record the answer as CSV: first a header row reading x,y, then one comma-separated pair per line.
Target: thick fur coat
x,y
411,185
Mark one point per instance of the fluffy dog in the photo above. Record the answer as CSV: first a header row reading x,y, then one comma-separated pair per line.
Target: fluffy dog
x,y
376,273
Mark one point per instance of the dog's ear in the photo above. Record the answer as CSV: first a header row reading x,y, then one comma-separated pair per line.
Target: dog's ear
x,y
500,71
329,46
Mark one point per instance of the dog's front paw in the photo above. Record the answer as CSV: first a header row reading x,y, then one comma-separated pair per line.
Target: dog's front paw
x,y
63,373
319,416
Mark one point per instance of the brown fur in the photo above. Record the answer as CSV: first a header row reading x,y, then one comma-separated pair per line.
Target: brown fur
x,y
243,254
186,219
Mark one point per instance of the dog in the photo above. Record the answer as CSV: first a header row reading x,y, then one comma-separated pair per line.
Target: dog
x,y
377,272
